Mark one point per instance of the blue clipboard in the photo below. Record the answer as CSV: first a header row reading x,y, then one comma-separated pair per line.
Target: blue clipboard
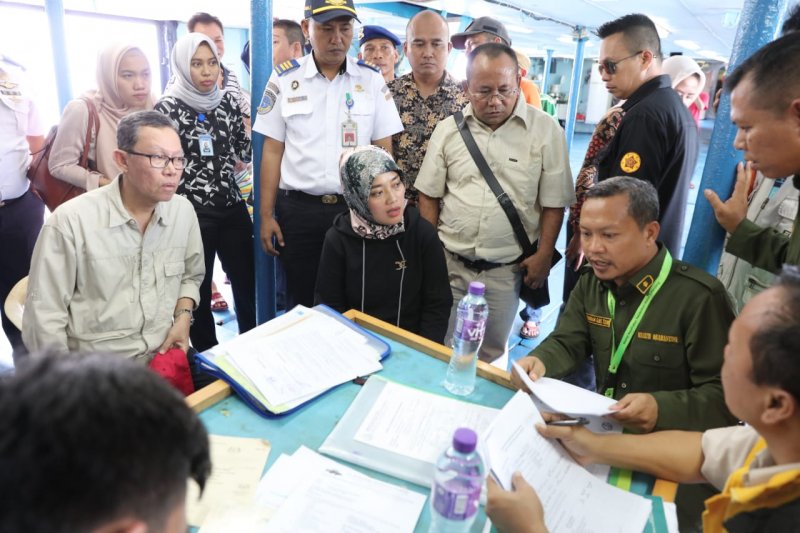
x,y
215,364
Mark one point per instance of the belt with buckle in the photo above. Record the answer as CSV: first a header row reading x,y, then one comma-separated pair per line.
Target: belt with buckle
x,y
328,199
480,265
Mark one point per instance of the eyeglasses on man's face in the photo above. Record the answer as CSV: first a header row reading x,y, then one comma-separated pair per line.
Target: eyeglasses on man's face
x,y
161,161
487,96
610,66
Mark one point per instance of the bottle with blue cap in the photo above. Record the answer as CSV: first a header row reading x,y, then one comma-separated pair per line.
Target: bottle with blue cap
x,y
470,327
456,488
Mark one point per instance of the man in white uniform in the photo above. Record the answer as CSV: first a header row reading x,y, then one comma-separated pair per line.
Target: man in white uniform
x,y
312,108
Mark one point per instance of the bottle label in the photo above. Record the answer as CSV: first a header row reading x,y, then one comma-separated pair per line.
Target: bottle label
x,y
470,330
456,505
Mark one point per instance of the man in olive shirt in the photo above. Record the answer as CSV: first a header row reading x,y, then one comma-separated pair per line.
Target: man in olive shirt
x,y
669,377
765,106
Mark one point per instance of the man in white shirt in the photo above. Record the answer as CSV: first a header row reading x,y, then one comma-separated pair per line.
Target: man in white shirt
x,y
313,108
118,269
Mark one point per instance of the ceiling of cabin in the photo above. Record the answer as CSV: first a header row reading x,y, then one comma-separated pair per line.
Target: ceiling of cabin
x,y
700,28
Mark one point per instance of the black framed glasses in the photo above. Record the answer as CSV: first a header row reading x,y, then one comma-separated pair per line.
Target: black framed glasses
x,y
502,95
611,66
161,161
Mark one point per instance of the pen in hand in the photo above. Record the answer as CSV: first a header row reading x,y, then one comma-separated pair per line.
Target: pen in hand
x,y
580,421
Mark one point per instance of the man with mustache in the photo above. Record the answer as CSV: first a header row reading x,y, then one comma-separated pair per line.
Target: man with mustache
x,y
379,47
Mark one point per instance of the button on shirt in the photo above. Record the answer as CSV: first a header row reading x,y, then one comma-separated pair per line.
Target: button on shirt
x,y
304,110
528,155
98,284
18,120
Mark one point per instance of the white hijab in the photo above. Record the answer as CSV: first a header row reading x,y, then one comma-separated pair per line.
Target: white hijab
x,y
681,67
180,62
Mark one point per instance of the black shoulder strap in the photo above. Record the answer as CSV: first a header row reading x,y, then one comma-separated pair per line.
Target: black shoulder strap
x,y
505,202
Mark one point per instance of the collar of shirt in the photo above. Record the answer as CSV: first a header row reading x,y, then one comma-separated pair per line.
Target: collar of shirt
x,y
118,215
641,280
659,82
520,112
447,84
349,66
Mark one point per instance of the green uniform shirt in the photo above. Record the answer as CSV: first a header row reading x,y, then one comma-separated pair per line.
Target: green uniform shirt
x,y
676,354
766,248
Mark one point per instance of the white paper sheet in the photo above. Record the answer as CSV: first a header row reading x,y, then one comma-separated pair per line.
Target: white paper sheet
x,y
307,358
419,424
237,464
321,495
565,398
573,499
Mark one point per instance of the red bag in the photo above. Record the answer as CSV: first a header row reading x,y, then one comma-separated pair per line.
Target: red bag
x,y
173,365
50,189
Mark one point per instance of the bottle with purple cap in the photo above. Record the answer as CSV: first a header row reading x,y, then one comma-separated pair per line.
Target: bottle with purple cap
x,y
467,338
456,489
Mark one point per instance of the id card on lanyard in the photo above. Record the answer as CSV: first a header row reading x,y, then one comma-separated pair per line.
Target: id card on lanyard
x,y
349,126
617,351
204,139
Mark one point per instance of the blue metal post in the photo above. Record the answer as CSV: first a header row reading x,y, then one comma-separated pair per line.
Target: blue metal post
x,y
546,75
758,23
581,37
260,69
58,41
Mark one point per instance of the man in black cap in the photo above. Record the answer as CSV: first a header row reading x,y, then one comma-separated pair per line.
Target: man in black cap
x,y
379,47
481,30
312,108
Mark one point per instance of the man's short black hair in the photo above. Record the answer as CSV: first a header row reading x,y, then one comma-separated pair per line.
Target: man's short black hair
x,y
776,345
792,22
204,18
642,196
776,83
293,31
86,440
492,51
639,33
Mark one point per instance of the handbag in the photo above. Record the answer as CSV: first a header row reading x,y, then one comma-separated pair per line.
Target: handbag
x,y
173,365
50,189
534,297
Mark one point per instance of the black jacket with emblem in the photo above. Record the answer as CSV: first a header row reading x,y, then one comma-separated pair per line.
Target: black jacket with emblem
x,y
402,279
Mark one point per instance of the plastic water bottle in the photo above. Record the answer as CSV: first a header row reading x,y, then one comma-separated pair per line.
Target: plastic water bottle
x,y
467,338
456,488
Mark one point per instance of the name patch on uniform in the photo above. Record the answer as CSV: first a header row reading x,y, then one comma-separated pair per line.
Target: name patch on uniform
x,y
603,322
630,162
293,99
658,337
267,102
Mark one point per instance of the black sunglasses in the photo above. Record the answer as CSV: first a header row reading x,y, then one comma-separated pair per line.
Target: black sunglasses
x,y
611,66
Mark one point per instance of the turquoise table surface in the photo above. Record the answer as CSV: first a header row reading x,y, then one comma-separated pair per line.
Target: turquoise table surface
x,y
310,424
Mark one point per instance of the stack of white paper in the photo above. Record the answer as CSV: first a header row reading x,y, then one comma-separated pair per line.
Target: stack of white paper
x,y
573,499
310,493
304,359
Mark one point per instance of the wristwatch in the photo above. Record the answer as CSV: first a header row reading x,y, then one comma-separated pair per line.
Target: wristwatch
x,y
179,312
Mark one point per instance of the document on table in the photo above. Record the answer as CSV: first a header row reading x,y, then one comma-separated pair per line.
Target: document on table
x,y
573,499
311,356
419,424
237,464
308,492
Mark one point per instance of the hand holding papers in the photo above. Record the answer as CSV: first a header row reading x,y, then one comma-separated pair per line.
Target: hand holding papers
x,y
573,500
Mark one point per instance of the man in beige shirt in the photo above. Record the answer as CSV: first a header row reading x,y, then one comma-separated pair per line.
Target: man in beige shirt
x,y
527,152
757,467
118,270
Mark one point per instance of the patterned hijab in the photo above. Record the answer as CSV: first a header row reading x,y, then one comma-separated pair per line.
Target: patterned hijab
x,y
180,62
357,169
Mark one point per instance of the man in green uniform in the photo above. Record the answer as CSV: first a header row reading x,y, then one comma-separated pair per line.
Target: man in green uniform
x,y
765,106
657,327
668,376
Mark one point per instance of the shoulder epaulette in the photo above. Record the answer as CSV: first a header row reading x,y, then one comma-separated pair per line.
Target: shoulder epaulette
x,y
373,66
697,274
286,66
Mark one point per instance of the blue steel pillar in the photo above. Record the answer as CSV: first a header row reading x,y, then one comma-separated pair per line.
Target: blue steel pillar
x,y
58,42
581,36
546,75
758,23
260,69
